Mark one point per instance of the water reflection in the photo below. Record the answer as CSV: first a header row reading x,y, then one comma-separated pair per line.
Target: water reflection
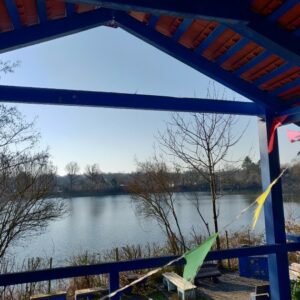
x,y
100,223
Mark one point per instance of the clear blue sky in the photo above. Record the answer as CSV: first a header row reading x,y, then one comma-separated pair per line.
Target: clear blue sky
x,y
106,59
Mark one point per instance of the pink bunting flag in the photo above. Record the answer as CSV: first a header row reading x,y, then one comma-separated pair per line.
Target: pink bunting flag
x,y
293,135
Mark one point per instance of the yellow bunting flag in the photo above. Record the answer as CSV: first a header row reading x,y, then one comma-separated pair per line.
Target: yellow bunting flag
x,y
262,198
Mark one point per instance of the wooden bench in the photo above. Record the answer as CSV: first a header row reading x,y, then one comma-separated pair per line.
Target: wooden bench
x,y
89,294
185,289
208,270
262,292
294,270
52,296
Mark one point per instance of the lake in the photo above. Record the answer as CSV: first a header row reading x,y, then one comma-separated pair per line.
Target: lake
x,y
95,224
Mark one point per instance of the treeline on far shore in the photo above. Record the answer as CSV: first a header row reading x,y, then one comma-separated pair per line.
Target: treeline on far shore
x,y
246,178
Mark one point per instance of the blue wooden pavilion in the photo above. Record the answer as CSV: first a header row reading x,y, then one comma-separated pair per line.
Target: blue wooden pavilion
x,y
252,47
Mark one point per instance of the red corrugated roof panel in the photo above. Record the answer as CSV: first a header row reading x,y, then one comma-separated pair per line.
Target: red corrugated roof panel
x,y
265,7
55,9
82,8
291,19
224,42
168,25
280,80
5,22
28,12
142,17
242,57
196,33
291,94
266,66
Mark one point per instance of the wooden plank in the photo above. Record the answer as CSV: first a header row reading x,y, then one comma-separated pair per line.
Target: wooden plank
x,y
295,267
178,281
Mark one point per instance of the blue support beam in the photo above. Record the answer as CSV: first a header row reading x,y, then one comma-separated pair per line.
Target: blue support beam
x,y
70,9
114,284
293,114
42,10
286,87
12,94
195,61
234,11
274,213
13,13
53,29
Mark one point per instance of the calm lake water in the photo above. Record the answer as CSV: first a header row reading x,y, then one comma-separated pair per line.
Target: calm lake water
x,y
100,223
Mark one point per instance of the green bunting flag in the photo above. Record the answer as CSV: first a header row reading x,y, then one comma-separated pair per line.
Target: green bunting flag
x,y
195,258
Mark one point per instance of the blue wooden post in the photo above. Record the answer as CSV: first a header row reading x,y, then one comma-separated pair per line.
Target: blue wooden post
x,y
274,213
114,284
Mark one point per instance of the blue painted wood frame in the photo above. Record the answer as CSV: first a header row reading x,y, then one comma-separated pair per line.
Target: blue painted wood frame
x,y
42,10
195,61
137,264
13,13
29,95
233,11
235,14
274,213
46,31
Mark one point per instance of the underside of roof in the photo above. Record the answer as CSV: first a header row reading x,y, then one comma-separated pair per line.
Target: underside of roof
x,y
252,47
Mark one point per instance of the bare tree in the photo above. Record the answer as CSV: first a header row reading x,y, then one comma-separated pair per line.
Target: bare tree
x,y
26,181
201,142
94,176
153,195
72,169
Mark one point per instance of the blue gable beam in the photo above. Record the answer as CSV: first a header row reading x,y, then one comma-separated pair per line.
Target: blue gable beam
x,y
195,61
13,13
52,29
130,101
42,10
232,11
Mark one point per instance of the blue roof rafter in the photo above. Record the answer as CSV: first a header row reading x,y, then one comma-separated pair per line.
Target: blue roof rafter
x,y
286,87
128,101
232,51
53,29
70,9
270,36
235,11
253,62
13,13
271,75
195,61
42,11
185,24
287,5
210,39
